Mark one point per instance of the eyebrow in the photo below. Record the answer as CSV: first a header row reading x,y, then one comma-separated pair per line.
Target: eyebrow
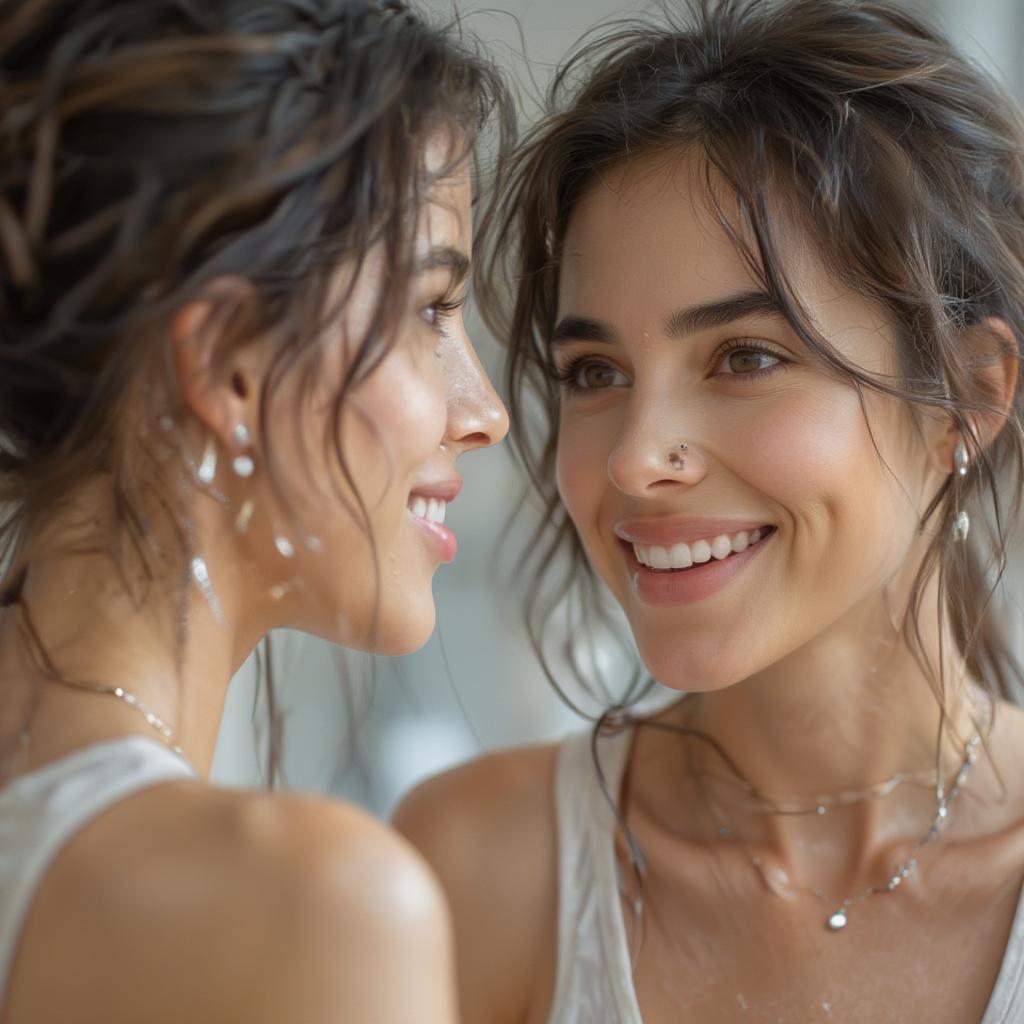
x,y
445,258
720,312
684,321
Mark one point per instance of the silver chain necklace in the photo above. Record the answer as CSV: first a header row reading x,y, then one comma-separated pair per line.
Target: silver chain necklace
x,y
821,804
129,698
839,916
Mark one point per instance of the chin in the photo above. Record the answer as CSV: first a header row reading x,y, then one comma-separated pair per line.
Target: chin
x,y
404,632
691,667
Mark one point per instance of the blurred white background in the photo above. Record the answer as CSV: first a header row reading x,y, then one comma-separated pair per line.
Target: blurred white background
x,y
368,729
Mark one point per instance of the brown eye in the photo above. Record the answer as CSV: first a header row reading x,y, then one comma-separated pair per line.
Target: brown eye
x,y
748,360
597,375
582,375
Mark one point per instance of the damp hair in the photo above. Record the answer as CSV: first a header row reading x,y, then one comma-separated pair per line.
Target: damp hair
x,y
903,163
149,149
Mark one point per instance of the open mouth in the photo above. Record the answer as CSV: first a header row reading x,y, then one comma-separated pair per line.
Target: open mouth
x,y
683,556
431,509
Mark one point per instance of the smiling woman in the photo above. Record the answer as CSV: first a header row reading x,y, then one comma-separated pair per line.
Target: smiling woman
x,y
769,292
234,382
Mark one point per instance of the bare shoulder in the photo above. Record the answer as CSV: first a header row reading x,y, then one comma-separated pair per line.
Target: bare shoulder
x,y
192,902
488,829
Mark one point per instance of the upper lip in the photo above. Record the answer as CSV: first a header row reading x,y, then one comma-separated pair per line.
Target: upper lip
x,y
668,530
444,490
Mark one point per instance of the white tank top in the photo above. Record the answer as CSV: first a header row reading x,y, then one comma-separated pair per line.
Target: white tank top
x,y
41,810
594,977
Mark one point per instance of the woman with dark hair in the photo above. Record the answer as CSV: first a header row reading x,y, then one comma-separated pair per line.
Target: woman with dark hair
x,y
770,289
234,382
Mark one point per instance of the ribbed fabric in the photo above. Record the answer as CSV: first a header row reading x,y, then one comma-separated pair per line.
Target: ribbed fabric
x,y
41,810
594,977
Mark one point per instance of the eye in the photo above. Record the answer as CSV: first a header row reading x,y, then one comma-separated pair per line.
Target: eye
x,y
749,360
441,310
588,374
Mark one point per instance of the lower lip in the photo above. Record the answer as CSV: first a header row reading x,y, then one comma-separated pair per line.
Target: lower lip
x,y
684,586
440,537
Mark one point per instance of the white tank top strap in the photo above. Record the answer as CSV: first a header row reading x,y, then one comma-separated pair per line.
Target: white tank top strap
x,y
593,983
1006,1004
42,810
594,978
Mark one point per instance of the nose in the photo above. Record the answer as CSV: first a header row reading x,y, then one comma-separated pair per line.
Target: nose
x,y
650,458
477,417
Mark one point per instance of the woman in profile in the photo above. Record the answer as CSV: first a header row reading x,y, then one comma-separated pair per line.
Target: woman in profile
x,y
234,384
769,287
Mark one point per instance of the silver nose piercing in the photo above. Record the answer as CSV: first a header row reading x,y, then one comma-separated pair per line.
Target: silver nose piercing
x,y
675,460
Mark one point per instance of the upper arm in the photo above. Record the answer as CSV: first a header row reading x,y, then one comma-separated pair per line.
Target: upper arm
x,y
209,907
488,831
361,933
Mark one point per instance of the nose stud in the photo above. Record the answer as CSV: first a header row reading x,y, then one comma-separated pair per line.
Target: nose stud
x,y
677,461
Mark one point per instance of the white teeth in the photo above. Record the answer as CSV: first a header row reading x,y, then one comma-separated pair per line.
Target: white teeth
x,y
701,551
721,547
682,556
431,509
659,558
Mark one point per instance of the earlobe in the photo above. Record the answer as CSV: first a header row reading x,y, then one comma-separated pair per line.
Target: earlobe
x,y
995,368
988,390
215,390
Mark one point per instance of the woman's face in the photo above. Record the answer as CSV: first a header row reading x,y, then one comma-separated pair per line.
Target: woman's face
x,y
401,430
793,521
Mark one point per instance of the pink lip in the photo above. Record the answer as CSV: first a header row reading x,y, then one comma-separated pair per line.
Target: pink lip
x,y
442,539
685,586
668,530
439,536
444,490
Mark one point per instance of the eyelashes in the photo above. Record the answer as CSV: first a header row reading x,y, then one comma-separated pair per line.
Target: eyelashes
x,y
437,313
572,374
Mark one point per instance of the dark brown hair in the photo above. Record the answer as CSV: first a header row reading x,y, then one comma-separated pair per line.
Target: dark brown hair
x,y
905,165
149,148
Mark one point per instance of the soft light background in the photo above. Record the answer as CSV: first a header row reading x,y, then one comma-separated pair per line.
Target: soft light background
x,y
368,729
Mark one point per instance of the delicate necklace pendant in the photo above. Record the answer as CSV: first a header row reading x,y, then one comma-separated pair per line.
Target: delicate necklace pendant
x,y
837,922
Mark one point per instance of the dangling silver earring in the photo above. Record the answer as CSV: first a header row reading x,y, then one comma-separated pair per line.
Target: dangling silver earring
x,y
208,467
961,463
242,464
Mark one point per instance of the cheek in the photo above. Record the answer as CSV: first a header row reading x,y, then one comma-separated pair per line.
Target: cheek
x,y
392,424
806,447
817,458
581,469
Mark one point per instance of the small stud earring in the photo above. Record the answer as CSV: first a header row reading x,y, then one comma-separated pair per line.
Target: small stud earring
x,y
242,464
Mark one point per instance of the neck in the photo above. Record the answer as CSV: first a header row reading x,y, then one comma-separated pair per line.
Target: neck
x,y
842,713
836,717
147,629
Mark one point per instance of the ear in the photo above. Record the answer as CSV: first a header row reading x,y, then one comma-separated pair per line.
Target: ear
x,y
994,368
219,386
